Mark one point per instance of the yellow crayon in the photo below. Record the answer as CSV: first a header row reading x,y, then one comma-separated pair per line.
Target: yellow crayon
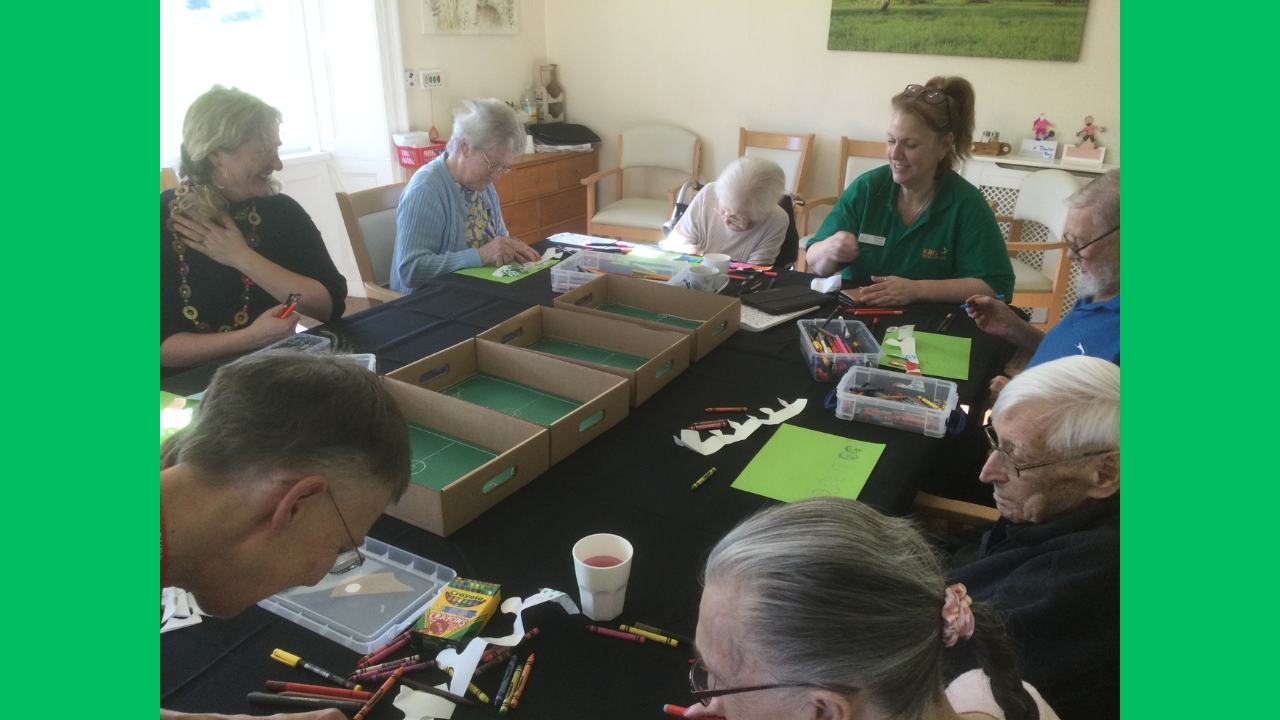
x,y
471,687
701,480
652,636
511,691
925,400
524,679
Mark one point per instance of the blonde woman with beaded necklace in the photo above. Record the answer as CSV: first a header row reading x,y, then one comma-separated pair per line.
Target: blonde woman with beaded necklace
x,y
232,249
915,230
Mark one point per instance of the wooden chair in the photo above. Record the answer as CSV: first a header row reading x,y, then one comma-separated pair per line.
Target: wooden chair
x,y
1042,198
856,158
370,216
648,146
790,152
944,515
168,179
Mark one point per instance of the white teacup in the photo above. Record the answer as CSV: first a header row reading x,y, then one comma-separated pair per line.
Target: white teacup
x,y
602,584
719,261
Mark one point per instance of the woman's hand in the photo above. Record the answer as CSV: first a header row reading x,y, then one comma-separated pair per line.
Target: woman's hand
x,y
828,256
219,240
268,328
993,316
889,291
503,250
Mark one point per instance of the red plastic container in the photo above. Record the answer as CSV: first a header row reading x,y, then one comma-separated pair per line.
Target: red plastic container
x,y
416,157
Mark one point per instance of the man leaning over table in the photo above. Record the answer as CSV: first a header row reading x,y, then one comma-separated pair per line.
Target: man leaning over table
x,y
1051,563
289,460
1092,327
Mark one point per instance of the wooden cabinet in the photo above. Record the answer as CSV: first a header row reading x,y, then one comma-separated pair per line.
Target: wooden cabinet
x,y
543,194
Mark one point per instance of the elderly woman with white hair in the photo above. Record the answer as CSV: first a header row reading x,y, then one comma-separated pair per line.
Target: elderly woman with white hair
x,y
232,247
737,215
825,609
1051,564
448,217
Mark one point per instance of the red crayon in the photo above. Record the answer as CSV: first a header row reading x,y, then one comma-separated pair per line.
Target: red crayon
x,y
497,660
492,652
290,304
378,695
388,666
709,425
615,633
398,642
725,409
872,311
415,667
278,686
680,711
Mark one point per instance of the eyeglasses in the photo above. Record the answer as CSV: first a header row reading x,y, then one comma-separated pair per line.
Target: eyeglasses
x,y
495,167
1017,469
735,218
1074,245
700,684
348,560
933,96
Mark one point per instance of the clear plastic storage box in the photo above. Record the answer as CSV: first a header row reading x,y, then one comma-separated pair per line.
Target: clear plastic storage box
x,y
903,414
572,271
368,606
828,366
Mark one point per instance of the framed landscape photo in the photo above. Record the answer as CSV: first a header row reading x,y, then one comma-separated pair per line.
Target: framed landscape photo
x,y
1020,29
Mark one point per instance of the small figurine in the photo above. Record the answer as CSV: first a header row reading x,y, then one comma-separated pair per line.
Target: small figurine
x,y
1087,132
1041,127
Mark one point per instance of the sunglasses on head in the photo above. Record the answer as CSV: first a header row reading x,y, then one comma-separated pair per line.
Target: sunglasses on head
x,y
933,96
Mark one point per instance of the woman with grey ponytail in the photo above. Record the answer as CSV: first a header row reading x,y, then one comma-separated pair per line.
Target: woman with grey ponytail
x,y
824,608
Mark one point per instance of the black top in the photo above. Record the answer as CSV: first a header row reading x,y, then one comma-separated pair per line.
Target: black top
x,y
1058,586
288,239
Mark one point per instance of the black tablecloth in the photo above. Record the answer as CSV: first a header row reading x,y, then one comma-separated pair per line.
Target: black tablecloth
x,y
633,481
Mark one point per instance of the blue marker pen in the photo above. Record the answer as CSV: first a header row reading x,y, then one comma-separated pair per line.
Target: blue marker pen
x,y
966,305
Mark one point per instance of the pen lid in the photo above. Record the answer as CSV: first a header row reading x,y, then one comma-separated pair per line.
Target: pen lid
x,y
287,658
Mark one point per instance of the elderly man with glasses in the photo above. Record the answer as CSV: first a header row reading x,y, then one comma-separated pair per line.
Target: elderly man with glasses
x,y
287,463
449,216
1051,563
1092,234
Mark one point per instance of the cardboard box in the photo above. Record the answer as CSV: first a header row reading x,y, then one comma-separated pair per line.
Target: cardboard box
x,y
461,610
667,352
520,445
604,397
719,314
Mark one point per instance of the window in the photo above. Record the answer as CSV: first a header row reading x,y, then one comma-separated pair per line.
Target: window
x,y
258,46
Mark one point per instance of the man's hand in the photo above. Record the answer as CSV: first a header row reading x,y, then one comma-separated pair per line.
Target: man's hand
x,y
503,250
993,316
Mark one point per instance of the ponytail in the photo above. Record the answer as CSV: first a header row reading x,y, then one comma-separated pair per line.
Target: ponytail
x,y
999,659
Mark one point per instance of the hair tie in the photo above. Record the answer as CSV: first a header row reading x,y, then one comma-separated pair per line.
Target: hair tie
x,y
957,618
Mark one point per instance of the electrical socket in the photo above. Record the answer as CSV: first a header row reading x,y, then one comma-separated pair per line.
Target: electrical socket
x,y
411,79
431,78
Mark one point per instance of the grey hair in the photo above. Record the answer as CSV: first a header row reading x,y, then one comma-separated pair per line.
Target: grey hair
x,y
287,411
835,594
487,123
1102,198
751,185
221,120
1077,399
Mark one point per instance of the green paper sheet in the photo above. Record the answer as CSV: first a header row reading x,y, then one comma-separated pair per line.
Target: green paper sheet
x,y
440,459
585,353
651,316
175,413
797,463
943,355
486,272
512,398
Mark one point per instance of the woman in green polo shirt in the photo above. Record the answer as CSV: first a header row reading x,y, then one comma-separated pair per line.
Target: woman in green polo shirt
x,y
914,230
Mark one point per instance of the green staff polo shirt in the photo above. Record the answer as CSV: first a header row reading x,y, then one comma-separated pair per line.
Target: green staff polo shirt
x,y
955,237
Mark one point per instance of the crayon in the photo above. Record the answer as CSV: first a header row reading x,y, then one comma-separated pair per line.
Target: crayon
x,y
262,698
925,400
471,687
414,667
966,305
317,696
495,662
493,652
679,712
378,695
511,691
725,409
872,311
423,687
695,486
401,641
387,666
278,686
524,680
652,636
290,304
709,425
506,682
367,659
294,661
615,633
664,633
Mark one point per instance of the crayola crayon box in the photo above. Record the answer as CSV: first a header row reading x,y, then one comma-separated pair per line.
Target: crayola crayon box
x,y
461,609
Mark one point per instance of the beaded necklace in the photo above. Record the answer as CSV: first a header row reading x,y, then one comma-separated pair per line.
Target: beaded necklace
x,y
180,248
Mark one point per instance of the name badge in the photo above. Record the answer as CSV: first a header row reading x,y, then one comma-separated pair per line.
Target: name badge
x,y
870,239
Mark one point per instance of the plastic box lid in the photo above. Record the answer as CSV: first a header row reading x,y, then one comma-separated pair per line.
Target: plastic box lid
x,y
570,273
368,606
892,413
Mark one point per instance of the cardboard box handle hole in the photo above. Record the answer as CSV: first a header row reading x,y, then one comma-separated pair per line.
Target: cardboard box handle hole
x,y
584,299
659,372
511,336
592,420
432,374
500,478
720,328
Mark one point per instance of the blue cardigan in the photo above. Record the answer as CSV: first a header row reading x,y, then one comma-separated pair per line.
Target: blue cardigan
x,y
431,227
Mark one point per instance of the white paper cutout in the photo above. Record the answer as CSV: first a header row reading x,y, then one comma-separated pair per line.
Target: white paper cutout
x,y
417,705
178,609
825,285
741,431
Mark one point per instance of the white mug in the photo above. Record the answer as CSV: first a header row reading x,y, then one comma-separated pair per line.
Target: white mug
x,y
719,261
602,590
707,279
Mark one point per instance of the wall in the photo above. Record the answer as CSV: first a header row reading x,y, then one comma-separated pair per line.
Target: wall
x,y
715,65
473,65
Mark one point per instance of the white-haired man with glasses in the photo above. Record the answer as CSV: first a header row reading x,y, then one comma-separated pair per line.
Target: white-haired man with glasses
x,y
1051,564
1092,327
288,462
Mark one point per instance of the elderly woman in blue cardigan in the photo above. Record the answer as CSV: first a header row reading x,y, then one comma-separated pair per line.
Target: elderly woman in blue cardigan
x,y
448,218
